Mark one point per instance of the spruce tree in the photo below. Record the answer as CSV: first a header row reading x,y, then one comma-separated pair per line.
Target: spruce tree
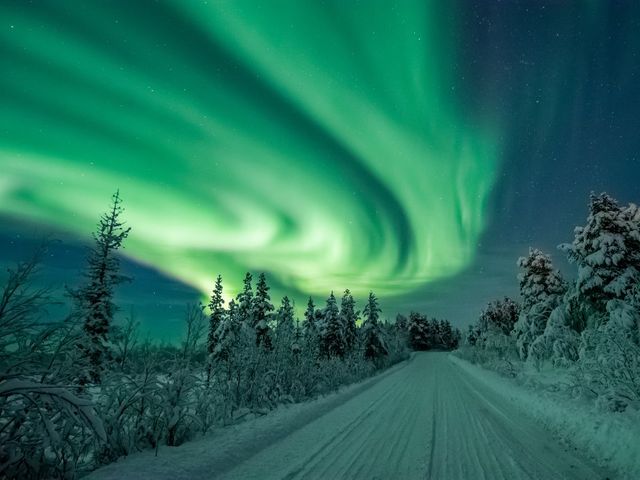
x,y
401,322
309,325
374,343
418,328
227,332
456,337
94,301
262,307
499,315
320,322
607,253
541,289
446,334
333,333
349,317
245,301
216,308
372,310
539,281
434,332
310,329
285,321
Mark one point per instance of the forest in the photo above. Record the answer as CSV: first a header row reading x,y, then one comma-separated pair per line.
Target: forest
x,y
586,329
82,391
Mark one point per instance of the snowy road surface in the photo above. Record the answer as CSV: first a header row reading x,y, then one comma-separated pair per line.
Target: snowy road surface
x,y
428,419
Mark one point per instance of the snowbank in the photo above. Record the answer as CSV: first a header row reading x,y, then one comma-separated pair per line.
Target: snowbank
x,y
611,439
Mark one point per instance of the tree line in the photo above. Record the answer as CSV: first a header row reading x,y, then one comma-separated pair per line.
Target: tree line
x,y
425,334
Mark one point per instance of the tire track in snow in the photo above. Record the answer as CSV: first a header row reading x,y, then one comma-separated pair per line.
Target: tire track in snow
x,y
429,420
433,430
426,419
323,451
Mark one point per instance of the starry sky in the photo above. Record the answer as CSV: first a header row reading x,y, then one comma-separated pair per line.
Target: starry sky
x,y
415,148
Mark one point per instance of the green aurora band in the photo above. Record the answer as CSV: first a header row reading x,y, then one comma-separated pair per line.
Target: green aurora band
x,y
322,143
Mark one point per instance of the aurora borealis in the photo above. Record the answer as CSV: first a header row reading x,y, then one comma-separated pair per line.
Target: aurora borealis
x,y
242,146
361,145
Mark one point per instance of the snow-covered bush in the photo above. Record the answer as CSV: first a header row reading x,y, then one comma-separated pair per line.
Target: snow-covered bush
x,y
131,407
47,428
46,431
495,351
610,358
541,289
493,329
562,340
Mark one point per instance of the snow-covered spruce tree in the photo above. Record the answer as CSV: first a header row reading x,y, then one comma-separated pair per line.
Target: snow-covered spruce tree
x,y
457,338
244,301
307,355
375,345
446,334
492,333
541,289
216,314
262,308
499,314
285,321
320,325
559,342
94,301
607,253
349,317
310,329
418,327
402,323
397,339
309,324
235,341
434,331
577,311
539,281
227,332
402,330
333,342
285,353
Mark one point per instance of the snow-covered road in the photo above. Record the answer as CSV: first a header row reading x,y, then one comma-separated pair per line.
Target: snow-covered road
x,y
426,419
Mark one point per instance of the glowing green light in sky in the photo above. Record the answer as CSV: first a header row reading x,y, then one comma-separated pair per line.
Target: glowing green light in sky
x,y
320,142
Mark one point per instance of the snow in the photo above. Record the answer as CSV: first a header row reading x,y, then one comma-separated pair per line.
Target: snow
x,y
79,409
433,416
611,439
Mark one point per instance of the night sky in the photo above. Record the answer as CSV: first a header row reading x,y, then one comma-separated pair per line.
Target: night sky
x,y
414,148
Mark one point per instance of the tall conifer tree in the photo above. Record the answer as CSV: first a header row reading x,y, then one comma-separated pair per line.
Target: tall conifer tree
x,y
216,308
262,308
94,301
